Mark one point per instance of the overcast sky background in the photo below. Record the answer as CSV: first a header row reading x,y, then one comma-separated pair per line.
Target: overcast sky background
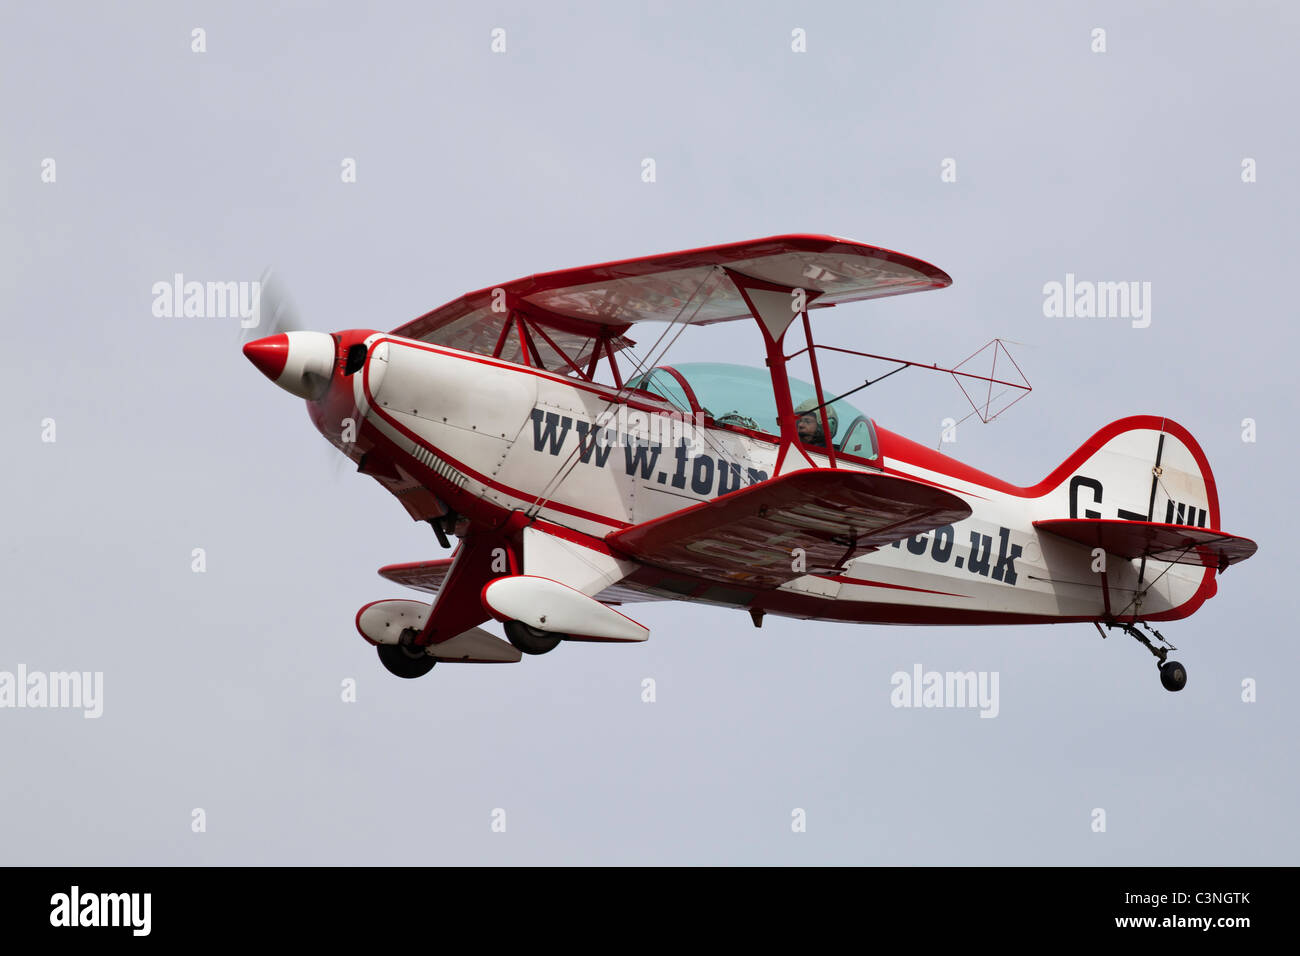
x,y
223,689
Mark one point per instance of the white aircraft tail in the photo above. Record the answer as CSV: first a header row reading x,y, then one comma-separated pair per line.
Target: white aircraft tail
x,y
1144,468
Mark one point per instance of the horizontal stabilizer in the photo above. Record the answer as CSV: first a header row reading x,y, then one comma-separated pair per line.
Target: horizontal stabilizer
x,y
1172,543
421,575
803,522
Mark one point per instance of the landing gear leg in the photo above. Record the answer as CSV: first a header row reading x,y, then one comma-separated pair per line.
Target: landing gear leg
x,y
1173,676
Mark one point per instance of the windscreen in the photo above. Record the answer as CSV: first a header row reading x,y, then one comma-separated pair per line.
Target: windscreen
x,y
742,396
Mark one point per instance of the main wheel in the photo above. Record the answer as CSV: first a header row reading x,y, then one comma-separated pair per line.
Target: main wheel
x,y
405,661
529,639
1173,675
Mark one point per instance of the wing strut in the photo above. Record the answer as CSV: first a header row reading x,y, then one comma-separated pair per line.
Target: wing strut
x,y
773,307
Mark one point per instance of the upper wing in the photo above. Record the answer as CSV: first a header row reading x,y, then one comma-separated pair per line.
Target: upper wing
x,y
750,536
1172,543
580,308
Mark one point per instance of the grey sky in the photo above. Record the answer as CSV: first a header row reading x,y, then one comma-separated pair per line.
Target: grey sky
x,y
222,689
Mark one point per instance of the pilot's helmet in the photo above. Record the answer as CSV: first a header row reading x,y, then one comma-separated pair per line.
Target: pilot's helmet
x,y
809,406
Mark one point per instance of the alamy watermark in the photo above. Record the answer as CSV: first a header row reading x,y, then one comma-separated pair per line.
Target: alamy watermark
x,y
208,300
129,910
624,427
970,689
83,690
1085,299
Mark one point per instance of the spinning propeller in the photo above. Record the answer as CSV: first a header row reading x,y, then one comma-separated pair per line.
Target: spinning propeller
x,y
300,361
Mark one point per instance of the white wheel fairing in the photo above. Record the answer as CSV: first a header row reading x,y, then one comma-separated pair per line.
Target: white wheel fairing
x,y
553,607
382,622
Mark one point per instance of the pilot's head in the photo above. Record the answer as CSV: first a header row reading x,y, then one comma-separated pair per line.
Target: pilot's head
x,y
809,422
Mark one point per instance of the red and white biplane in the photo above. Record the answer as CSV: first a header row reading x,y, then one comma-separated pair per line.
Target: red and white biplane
x,y
717,483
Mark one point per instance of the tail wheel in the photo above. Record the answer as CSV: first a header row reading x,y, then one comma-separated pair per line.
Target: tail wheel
x,y
405,661
1173,675
529,640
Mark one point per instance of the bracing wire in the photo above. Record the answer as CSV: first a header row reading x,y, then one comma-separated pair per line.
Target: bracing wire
x,y
571,460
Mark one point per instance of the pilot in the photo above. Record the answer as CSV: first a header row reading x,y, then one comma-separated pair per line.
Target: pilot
x,y
809,423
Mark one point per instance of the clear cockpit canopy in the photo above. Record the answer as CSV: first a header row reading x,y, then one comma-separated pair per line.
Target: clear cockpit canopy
x,y
738,396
